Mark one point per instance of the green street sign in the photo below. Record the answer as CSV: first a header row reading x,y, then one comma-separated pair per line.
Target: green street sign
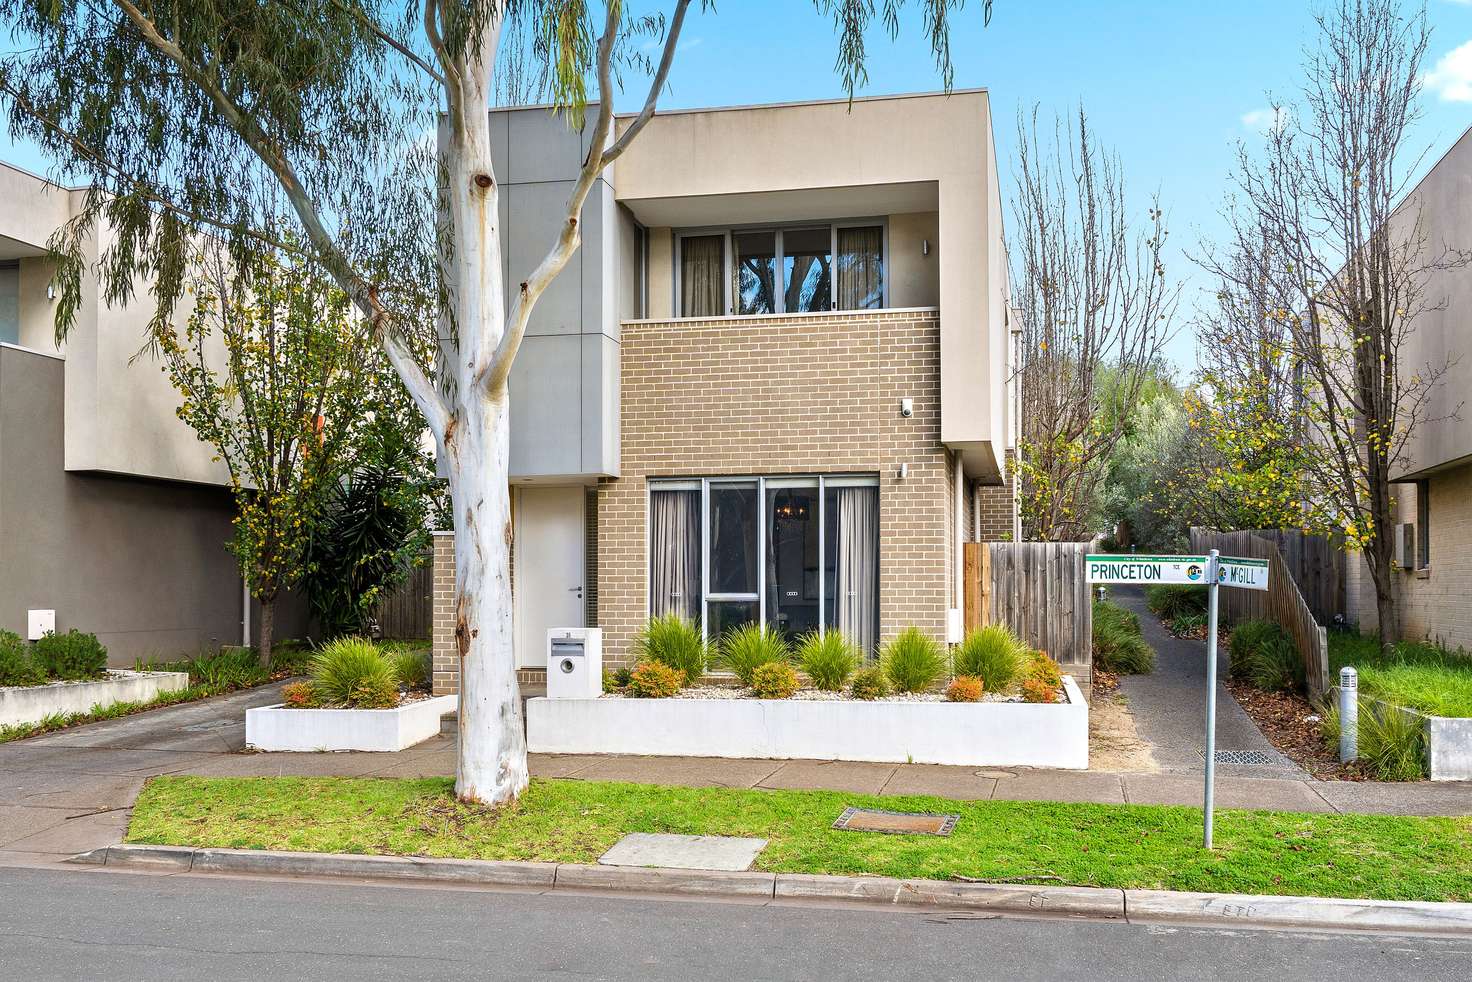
x,y
1248,574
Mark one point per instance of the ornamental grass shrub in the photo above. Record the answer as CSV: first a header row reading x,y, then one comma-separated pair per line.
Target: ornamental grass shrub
x,y
774,680
992,654
74,655
411,665
1118,645
1170,600
354,672
673,642
227,668
746,648
965,688
654,680
827,658
1264,655
16,666
913,661
869,684
1392,743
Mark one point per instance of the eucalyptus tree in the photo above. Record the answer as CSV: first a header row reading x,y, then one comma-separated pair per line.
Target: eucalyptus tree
x,y
368,118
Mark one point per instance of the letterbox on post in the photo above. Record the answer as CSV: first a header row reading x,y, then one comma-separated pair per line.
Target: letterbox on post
x,y
574,663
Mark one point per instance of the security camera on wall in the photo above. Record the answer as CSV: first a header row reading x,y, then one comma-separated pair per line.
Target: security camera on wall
x,y
907,408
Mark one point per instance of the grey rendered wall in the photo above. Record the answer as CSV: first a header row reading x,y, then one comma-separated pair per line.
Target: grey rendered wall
x,y
140,563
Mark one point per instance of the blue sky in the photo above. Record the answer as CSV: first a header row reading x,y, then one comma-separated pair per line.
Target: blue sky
x,y
1167,83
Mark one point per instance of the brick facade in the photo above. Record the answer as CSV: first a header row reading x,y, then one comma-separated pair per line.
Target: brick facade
x,y
995,504
784,395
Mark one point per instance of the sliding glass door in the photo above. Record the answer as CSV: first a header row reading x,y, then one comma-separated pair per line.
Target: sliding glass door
x,y
794,553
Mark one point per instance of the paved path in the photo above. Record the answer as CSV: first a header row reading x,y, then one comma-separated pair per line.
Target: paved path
x,y
65,924
1169,706
68,792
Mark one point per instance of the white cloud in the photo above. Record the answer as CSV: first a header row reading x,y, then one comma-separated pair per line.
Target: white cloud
x,y
1265,119
1452,77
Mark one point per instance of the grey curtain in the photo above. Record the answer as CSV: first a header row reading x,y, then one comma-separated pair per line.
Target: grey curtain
x,y
860,268
702,269
856,605
674,554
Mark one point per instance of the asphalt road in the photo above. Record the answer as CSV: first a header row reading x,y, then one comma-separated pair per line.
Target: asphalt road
x,y
108,925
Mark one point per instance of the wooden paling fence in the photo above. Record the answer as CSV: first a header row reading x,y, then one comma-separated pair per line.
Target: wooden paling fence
x,y
1316,563
1039,590
407,612
1282,602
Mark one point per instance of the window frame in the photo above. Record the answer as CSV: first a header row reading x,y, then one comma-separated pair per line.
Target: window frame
x,y
780,287
821,482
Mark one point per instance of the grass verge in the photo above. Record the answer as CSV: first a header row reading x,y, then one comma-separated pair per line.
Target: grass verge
x,y
1141,846
1412,673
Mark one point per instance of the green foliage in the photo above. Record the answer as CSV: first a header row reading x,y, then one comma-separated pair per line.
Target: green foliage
x,y
1188,625
1423,676
1118,644
913,661
353,672
1044,670
73,655
1171,600
674,642
300,695
869,684
1035,689
965,688
228,668
746,648
992,654
616,680
16,667
1263,654
654,680
291,656
1392,743
411,664
827,659
774,680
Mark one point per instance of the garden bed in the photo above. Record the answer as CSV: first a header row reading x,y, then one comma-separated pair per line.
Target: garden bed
x,y
26,704
283,728
884,730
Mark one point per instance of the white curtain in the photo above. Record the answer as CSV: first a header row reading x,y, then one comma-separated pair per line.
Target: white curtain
x,y
857,595
702,269
860,268
674,554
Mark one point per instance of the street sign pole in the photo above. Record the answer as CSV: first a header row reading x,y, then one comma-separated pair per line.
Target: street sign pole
x,y
1213,588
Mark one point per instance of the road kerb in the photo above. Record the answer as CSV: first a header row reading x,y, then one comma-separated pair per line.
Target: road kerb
x,y
179,858
654,879
511,874
1092,902
1221,909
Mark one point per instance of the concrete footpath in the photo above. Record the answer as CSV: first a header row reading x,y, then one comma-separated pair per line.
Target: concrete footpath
x,y
70,792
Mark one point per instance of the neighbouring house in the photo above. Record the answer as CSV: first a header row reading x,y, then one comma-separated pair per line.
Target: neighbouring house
x,y
772,385
1433,489
112,514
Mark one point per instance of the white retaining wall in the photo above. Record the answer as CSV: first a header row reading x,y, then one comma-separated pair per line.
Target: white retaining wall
x,y
33,703
384,730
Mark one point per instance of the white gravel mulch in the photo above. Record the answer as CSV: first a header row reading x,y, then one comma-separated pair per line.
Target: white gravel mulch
x,y
809,695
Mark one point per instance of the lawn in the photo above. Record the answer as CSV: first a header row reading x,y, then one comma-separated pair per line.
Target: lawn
x,y
1414,673
1143,846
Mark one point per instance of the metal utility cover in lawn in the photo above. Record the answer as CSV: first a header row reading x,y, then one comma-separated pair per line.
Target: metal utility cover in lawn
x,y
721,852
895,823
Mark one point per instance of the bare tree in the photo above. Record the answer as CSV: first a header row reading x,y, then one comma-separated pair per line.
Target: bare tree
x,y
1345,266
1090,288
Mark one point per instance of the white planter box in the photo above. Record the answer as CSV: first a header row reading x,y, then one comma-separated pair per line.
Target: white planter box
x,y
982,733
1448,740
33,703
306,730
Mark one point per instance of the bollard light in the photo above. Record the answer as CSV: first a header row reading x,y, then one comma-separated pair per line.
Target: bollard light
x,y
1349,714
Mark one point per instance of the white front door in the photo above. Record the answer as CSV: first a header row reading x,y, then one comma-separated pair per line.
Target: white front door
x,y
550,567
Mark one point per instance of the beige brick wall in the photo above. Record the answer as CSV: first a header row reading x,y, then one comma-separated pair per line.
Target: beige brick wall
x,y
995,504
1433,603
446,660
775,395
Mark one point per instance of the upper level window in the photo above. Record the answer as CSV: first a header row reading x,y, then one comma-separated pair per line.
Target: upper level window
x,y
781,270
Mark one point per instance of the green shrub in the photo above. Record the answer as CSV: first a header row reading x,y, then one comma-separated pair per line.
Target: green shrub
x,y
1170,600
1188,624
348,670
774,680
869,684
291,656
674,642
913,661
654,680
1038,690
16,667
965,688
73,655
375,692
1263,654
827,659
1392,743
1247,637
746,648
228,668
411,665
992,654
616,679
300,695
1118,645
1043,670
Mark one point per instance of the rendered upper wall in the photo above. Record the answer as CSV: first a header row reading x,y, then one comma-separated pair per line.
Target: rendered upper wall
x,y
119,411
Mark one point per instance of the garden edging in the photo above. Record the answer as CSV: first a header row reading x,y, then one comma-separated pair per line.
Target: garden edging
x,y
276,728
1097,903
1448,739
32,703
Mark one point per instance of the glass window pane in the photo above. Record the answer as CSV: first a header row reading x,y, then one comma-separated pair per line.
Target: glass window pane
x,y
733,538
754,265
674,553
851,563
860,267
702,271
10,303
792,560
727,614
807,277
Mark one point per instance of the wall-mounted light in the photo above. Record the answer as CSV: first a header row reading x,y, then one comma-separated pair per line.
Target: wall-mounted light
x,y
924,247
907,408
50,291
903,472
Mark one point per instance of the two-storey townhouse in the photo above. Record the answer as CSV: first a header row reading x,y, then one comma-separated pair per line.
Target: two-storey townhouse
x,y
772,385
